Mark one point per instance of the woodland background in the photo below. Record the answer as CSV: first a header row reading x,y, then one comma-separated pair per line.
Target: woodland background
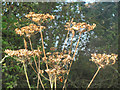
x,y
103,39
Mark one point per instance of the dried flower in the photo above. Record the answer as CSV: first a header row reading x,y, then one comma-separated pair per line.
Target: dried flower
x,y
41,71
22,52
48,71
104,59
44,59
48,53
38,17
29,30
78,26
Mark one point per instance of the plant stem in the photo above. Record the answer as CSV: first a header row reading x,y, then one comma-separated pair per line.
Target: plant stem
x,y
51,83
26,75
43,47
70,46
55,82
42,43
25,43
72,61
38,70
38,82
33,55
4,58
41,82
39,78
32,67
93,77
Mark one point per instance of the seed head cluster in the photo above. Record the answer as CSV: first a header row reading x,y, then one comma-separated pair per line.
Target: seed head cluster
x,y
22,52
58,62
38,17
81,27
104,59
29,30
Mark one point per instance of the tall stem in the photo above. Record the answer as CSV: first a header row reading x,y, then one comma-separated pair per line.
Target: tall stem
x,y
30,43
38,82
25,45
71,46
4,59
26,75
32,50
93,77
41,82
71,61
51,83
42,43
55,82
39,78
43,47
38,70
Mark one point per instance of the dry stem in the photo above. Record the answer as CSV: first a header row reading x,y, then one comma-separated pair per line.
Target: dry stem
x,y
32,66
39,78
25,45
26,75
72,61
93,77
32,50
38,71
51,82
4,59
55,82
43,47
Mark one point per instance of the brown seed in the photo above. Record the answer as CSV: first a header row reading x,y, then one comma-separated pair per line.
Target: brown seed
x,y
48,53
55,53
44,58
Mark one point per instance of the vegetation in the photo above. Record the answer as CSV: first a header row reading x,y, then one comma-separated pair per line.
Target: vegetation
x,y
102,40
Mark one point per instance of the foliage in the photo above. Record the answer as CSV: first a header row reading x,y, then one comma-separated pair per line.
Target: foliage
x,y
104,39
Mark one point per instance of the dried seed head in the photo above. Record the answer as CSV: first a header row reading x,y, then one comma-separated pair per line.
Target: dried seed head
x,y
48,71
55,53
38,17
81,27
104,59
44,58
65,55
48,53
41,71
19,53
53,71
